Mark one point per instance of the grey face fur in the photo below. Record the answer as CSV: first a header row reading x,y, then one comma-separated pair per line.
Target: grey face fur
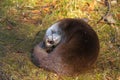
x,y
53,35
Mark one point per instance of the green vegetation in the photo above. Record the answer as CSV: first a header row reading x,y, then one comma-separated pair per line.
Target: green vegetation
x,y
23,24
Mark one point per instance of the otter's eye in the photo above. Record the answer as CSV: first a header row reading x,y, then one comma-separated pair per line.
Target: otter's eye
x,y
59,32
53,31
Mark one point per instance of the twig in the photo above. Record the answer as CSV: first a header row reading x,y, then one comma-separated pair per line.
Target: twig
x,y
107,3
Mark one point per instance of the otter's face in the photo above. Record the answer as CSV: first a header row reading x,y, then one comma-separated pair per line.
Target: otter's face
x,y
53,36
52,40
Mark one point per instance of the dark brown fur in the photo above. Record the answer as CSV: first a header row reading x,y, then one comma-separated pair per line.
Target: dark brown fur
x,y
76,53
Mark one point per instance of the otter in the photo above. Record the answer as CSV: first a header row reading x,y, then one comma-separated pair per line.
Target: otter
x,y
73,47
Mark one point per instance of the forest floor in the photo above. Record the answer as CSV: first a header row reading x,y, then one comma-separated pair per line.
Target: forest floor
x,y
23,24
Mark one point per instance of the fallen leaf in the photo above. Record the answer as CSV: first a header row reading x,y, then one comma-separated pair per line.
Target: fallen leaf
x,y
35,11
9,28
118,78
118,16
109,19
108,78
113,2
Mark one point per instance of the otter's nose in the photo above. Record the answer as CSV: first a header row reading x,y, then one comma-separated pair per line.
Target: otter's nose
x,y
51,42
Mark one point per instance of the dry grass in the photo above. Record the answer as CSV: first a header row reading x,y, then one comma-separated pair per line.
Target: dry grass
x,y
23,24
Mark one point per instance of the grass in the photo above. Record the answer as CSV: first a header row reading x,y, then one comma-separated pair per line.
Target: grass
x,y
23,24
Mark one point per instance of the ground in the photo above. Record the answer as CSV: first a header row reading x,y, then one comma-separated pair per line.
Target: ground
x,y
24,22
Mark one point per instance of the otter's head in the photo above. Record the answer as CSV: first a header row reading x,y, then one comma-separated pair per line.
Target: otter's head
x,y
53,36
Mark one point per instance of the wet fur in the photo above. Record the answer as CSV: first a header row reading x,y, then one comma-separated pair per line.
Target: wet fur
x,y
77,51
